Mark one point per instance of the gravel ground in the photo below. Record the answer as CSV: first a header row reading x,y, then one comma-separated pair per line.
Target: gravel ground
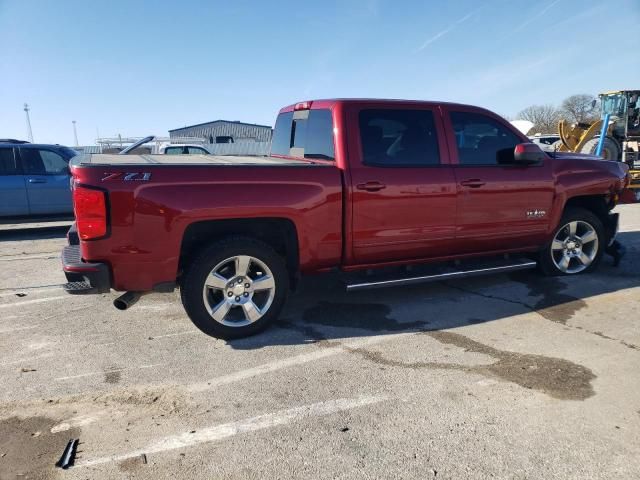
x,y
506,376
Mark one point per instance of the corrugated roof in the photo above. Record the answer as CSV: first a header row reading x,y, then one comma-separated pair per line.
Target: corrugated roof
x,y
220,121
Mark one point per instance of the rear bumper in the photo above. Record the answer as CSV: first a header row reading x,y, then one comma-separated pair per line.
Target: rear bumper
x,y
83,277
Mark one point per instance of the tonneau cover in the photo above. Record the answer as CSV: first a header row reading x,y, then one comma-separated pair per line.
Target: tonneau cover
x,y
114,159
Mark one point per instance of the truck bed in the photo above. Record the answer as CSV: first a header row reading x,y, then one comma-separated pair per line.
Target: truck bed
x,y
201,160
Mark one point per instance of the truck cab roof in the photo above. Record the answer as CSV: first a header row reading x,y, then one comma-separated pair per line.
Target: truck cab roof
x,y
331,102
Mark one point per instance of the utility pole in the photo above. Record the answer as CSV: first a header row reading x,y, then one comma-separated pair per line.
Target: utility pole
x,y
29,132
75,133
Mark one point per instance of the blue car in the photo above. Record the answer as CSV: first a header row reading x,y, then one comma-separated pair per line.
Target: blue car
x,y
34,179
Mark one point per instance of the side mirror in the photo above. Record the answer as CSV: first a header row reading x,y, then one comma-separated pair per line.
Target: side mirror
x,y
528,154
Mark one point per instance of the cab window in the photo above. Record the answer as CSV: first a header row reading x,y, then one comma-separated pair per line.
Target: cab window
x,y
481,140
8,165
304,133
397,138
42,162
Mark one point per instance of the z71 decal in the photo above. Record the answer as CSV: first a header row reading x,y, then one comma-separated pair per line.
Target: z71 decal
x,y
127,177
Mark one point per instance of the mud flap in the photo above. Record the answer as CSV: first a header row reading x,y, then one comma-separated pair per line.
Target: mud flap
x,y
614,248
617,251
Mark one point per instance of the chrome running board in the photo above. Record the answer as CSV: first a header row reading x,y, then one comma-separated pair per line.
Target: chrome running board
x,y
441,276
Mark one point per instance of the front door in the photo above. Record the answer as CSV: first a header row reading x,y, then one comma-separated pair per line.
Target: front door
x,y
500,205
13,193
403,193
47,180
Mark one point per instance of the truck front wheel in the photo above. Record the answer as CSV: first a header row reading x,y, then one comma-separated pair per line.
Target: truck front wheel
x,y
577,245
235,288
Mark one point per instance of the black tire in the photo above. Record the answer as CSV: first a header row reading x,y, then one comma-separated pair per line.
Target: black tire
x,y
610,149
546,261
193,285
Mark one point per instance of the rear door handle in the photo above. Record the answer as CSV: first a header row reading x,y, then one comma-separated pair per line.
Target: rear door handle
x,y
472,183
37,180
371,186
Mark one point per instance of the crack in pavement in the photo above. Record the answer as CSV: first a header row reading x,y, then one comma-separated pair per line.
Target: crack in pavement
x,y
566,311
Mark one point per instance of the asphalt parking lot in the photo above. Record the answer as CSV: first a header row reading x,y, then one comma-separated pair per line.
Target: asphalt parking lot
x,y
507,376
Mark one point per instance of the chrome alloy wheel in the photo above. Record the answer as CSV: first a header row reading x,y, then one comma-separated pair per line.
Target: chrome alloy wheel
x,y
574,247
239,291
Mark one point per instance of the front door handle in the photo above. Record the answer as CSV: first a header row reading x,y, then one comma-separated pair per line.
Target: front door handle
x,y
472,183
371,186
37,180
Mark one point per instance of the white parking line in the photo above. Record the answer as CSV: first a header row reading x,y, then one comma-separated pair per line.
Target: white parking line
x,y
33,256
190,332
31,290
25,360
220,432
141,367
29,302
17,329
79,421
156,308
288,362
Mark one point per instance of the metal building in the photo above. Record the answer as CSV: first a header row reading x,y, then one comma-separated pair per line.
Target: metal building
x,y
224,131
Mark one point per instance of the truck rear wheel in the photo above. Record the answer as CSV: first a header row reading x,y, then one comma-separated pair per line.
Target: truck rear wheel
x,y
235,288
577,245
610,149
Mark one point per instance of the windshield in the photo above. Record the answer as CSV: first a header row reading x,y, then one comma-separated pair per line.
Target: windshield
x,y
614,105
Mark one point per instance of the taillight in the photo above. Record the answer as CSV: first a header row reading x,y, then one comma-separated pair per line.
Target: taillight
x,y
90,208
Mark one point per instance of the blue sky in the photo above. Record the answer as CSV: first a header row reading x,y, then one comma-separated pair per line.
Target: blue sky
x,y
138,68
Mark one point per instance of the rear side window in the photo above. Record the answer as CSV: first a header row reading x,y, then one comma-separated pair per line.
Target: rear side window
x,y
42,162
196,151
8,165
398,138
281,142
304,133
173,150
481,140
68,152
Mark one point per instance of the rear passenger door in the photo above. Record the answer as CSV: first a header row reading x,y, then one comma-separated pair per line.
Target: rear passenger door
x,y
403,191
13,192
47,180
496,198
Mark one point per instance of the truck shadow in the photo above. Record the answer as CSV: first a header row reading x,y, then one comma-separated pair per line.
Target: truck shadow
x,y
322,310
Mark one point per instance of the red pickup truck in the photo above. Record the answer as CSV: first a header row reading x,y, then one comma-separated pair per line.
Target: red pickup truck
x,y
349,185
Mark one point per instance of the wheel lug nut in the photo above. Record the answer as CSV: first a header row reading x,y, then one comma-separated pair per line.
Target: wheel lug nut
x,y
237,299
246,285
246,294
239,280
230,294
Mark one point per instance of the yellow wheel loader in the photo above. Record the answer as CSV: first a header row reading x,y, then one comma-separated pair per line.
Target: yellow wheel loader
x,y
616,136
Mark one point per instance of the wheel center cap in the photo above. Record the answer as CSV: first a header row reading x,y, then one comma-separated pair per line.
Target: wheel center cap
x,y
238,290
571,245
